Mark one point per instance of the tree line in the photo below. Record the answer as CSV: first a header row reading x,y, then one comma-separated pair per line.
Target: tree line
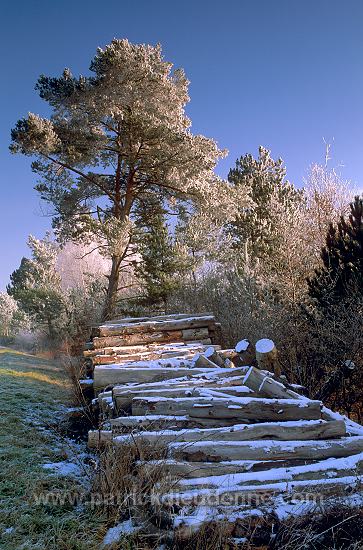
x,y
134,192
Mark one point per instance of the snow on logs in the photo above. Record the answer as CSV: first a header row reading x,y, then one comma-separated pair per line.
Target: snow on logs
x,y
216,451
283,431
154,325
266,356
152,338
221,413
328,468
238,408
106,375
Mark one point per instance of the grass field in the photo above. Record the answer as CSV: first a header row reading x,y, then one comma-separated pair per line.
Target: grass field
x,y
34,394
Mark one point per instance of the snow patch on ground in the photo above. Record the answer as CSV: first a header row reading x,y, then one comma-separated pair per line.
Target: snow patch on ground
x,y
64,468
114,534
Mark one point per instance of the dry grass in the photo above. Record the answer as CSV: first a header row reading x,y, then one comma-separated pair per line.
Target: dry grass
x,y
126,487
337,528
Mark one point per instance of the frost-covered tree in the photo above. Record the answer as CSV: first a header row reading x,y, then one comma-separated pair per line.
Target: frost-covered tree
x,y
255,231
115,137
201,236
328,197
35,285
11,318
77,263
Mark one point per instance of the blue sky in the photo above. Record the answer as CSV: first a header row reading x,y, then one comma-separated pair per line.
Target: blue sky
x,y
281,73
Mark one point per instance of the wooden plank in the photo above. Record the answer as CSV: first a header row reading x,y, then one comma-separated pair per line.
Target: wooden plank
x,y
213,451
238,408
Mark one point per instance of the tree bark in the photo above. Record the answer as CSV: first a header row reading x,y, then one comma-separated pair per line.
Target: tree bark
x,y
113,282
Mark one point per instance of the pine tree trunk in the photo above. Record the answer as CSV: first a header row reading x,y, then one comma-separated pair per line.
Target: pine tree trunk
x,y
113,281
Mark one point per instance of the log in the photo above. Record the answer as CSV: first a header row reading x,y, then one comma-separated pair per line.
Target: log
x,y
226,373
192,470
266,356
273,388
123,400
224,390
200,361
185,381
228,354
324,469
282,431
146,348
195,334
203,341
218,379
212,355
92,352
239,408
170,316
151,337
246,352
309,490
254,378
120,329
148,356
259,381
216,451
110,375
133,339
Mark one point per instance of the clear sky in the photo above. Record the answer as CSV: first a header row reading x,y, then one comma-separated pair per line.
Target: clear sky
x,y
281,73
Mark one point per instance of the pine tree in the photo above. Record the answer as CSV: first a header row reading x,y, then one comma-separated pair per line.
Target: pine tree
x,y
115,137
255,231
342,270
159,264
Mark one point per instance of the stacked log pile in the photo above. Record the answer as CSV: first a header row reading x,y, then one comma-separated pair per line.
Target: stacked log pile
x,y
122,341
231,432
